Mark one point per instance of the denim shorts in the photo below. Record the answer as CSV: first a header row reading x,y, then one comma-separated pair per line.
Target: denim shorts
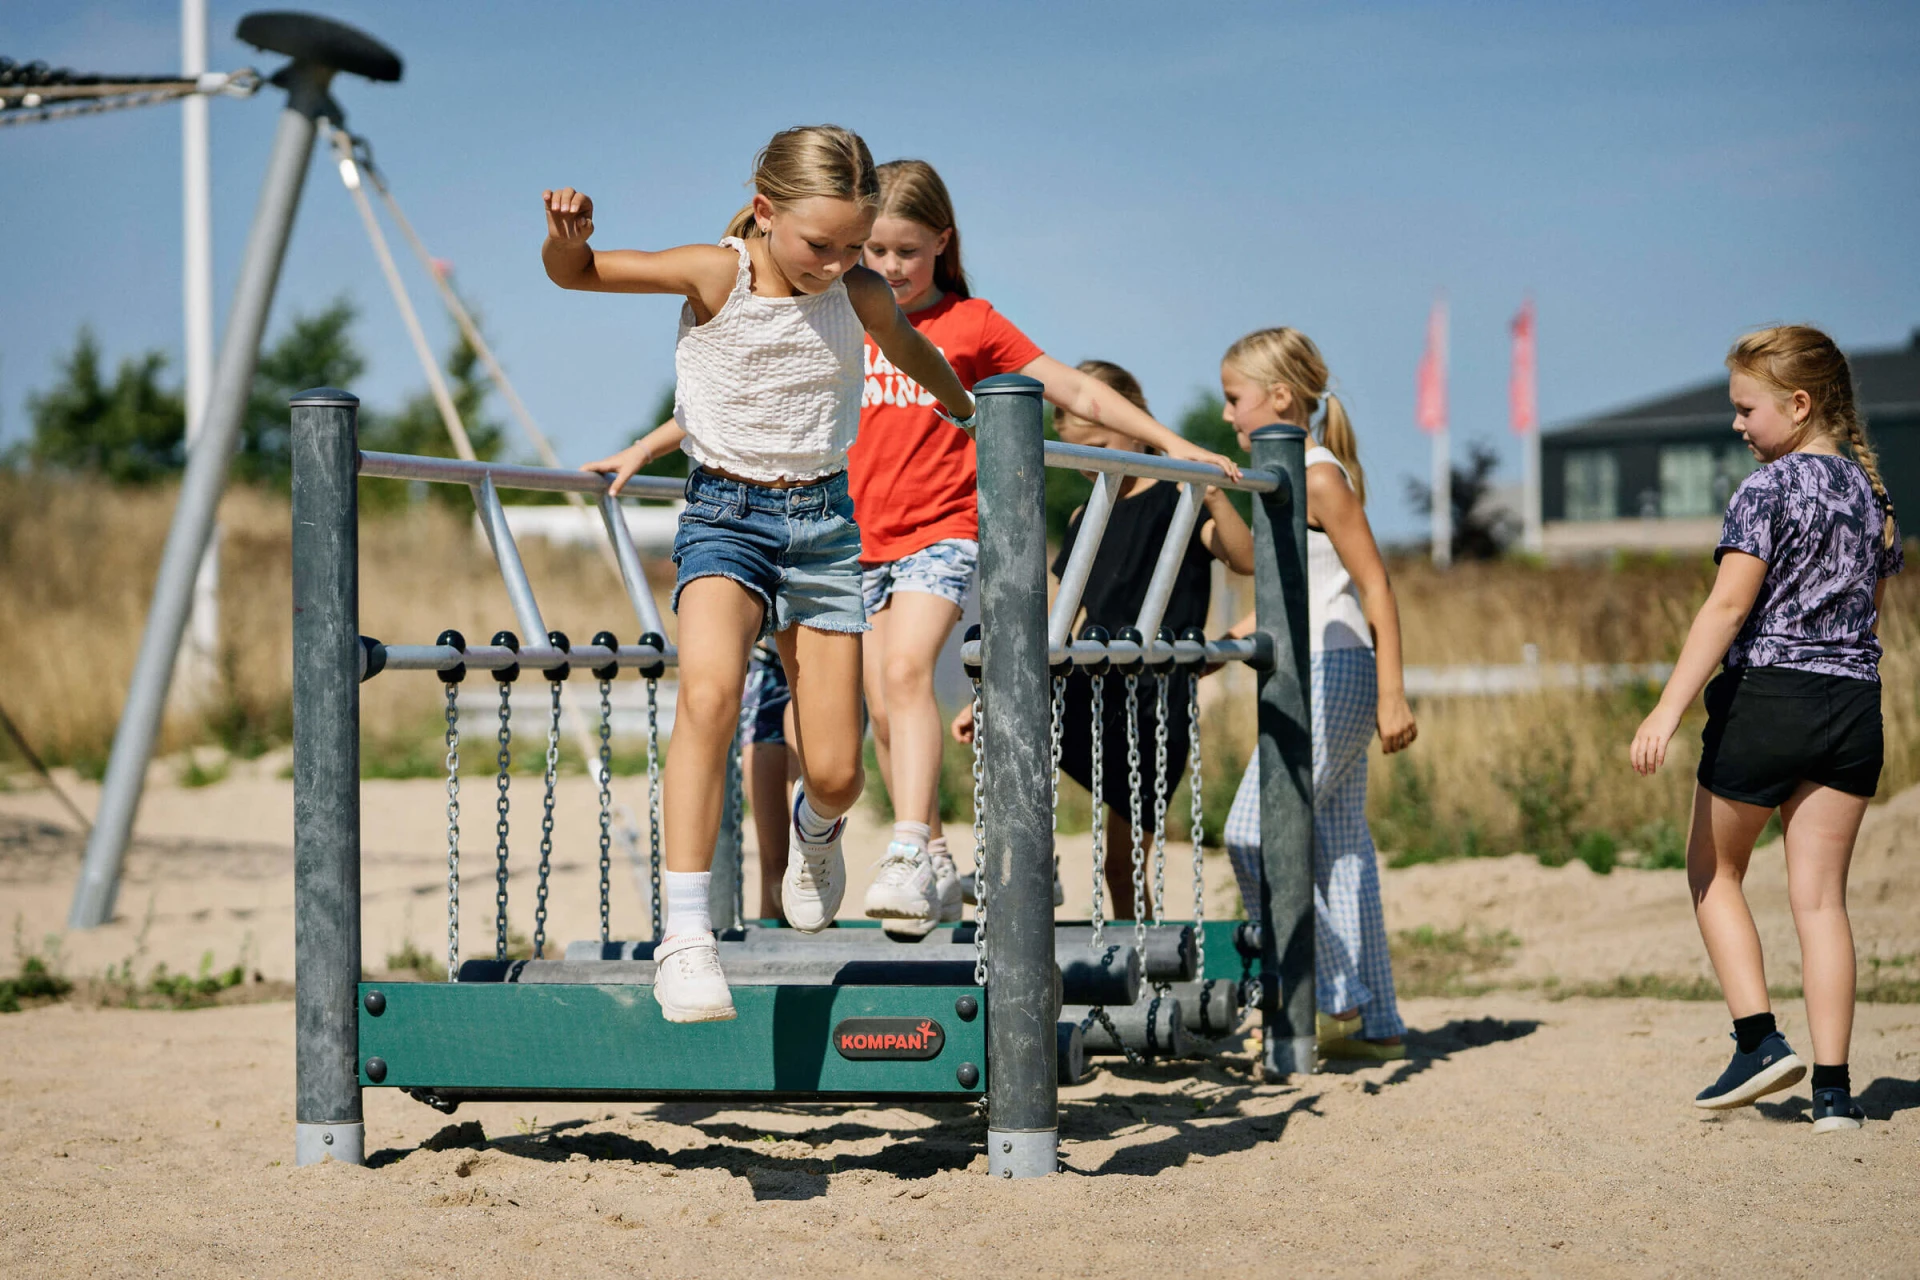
x,y
944,569
797,549
763,709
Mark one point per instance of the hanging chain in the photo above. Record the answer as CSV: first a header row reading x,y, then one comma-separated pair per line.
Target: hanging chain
x,y
1160,797
606,805
546,822
1059,718
1196,816
453,832
505,768
1099,1014
1133,811
653,799
979,840
1097,777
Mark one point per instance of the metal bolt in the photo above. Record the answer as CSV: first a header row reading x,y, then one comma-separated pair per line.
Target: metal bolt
x,y
376,1003
1006,1173
1007,1147
327,1138
376,1069
967,1008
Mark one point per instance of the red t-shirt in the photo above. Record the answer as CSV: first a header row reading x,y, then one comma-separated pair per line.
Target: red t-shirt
x,y
910,473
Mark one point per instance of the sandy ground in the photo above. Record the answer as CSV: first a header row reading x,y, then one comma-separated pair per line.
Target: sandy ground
x,y
1525,1135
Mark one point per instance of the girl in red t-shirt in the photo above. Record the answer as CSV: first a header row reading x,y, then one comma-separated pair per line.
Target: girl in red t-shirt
x,y
912,479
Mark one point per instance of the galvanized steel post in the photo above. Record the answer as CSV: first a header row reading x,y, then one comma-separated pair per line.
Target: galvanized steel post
x,y
1286,753
326,777
1022,1011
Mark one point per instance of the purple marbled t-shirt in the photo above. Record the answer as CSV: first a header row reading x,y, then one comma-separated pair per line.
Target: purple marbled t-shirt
x,y
1813,518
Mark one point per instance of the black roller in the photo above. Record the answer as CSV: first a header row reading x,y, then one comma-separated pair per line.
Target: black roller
x,y
1210,1009
1110,975
1073,1054
1170,957
306,37
1152,1027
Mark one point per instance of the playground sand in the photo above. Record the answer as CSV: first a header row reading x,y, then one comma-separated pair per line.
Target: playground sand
x,y
1526,1134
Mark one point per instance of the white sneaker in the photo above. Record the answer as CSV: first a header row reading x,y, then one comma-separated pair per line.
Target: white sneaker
x,y
946,886
687,980
903,887
815,881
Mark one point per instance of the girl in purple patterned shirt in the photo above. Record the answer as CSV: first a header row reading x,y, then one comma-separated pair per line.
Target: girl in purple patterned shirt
x,y
1793,719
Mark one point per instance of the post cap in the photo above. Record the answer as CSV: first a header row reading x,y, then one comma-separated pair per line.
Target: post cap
x,y
1278,431
307,37
323,395
1007,384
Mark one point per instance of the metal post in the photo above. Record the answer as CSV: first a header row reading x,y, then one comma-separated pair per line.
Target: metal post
x,y
193,516
199,661
1023,1132
326,778
1286,753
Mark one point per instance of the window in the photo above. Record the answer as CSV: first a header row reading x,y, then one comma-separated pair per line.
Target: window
x,y
1593,485
1735,465
1687,474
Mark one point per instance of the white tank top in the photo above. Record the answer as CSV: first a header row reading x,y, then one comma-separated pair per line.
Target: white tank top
x,y
1334,617
769,389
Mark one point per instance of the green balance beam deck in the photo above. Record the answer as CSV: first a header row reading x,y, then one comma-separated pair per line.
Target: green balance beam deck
x,y
505,1041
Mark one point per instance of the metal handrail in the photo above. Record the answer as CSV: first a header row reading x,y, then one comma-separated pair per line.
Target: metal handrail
x,y
1086,457
510,475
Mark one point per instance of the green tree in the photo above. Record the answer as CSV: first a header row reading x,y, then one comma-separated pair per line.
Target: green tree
x,y
674,464
1203,424
132,430
315,351
419,429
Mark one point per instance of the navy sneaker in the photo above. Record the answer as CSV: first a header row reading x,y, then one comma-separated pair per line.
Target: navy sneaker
x,y
1768,1069
1835,1109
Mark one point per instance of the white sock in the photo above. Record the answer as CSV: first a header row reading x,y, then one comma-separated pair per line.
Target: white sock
x,y
813,828
688,910
916,834
937,847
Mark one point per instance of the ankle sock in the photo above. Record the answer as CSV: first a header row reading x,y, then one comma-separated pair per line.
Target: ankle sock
x,y
813,828
1749,1031
1826,1077
688,910
917,834
937,846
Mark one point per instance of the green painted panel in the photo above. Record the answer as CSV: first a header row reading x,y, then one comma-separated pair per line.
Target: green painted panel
x,y
1223,959
506,1036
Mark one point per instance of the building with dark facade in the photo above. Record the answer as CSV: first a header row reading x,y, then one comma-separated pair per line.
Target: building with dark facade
x,y
1656,476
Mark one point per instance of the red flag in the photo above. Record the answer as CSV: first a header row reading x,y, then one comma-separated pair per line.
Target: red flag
x,y
1431,386
1522,400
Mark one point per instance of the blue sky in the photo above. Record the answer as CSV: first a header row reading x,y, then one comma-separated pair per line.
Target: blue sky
x,y
1138,182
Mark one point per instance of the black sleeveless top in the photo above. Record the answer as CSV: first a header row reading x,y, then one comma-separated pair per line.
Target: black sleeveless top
x,y
1123,566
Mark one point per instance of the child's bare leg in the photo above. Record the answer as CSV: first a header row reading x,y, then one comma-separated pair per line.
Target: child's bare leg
x,y
918,624
1120,904
873,653
1718,848
823,669
771,796
1818,827
713,675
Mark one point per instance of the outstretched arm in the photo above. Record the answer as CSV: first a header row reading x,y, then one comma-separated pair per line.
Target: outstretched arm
x,y
701,273
1735,587
1089,398
644,452
903,344
1226,534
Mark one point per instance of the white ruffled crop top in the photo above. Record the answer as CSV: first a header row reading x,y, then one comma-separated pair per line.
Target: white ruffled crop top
x,y
769,389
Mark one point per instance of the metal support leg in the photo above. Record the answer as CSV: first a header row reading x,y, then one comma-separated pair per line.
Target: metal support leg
x,y
1022,1034
199,499
1286,754
326,778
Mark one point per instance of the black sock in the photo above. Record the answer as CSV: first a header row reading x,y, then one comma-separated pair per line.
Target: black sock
x,y
1826,1077
1748,1032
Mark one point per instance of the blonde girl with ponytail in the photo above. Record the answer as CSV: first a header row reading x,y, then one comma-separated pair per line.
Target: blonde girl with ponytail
x,y
1358,688
1793,717
766,400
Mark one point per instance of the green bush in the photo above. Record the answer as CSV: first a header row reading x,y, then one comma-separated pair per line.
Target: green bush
x,y
1598,850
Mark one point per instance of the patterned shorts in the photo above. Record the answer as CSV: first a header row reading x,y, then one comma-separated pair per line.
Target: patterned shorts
x,y
763,708
944,569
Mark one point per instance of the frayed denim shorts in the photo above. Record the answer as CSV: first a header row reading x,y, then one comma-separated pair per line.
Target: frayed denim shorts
x,y
797,549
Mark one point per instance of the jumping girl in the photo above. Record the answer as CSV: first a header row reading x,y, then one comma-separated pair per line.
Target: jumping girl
x,y
769,376
1116,588
913,481
1358,687
1793,718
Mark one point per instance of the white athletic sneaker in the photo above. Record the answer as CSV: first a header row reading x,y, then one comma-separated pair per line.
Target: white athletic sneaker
x,y
687,980
946,885
903,887
815,881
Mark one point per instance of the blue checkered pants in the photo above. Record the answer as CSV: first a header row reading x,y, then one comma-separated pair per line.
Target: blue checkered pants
x,y
1351,967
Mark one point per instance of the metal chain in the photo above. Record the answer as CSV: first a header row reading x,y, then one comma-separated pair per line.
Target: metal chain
x,y
653,800
1160,797
1133,811
546,822
1196,815
606,805
1099,1014
453,832
504,764
1056,727
979,840
1097,779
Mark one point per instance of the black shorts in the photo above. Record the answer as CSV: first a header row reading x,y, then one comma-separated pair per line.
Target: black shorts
x,y
1076,737
1771,728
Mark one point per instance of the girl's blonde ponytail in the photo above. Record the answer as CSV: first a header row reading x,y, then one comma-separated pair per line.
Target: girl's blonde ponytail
x,y
806,161
1336,433
1288,358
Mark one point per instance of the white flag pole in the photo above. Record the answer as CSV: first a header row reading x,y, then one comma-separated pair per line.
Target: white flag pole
x,y
198,664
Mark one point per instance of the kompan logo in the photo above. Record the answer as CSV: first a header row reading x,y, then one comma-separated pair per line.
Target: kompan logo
x,y
912,1039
